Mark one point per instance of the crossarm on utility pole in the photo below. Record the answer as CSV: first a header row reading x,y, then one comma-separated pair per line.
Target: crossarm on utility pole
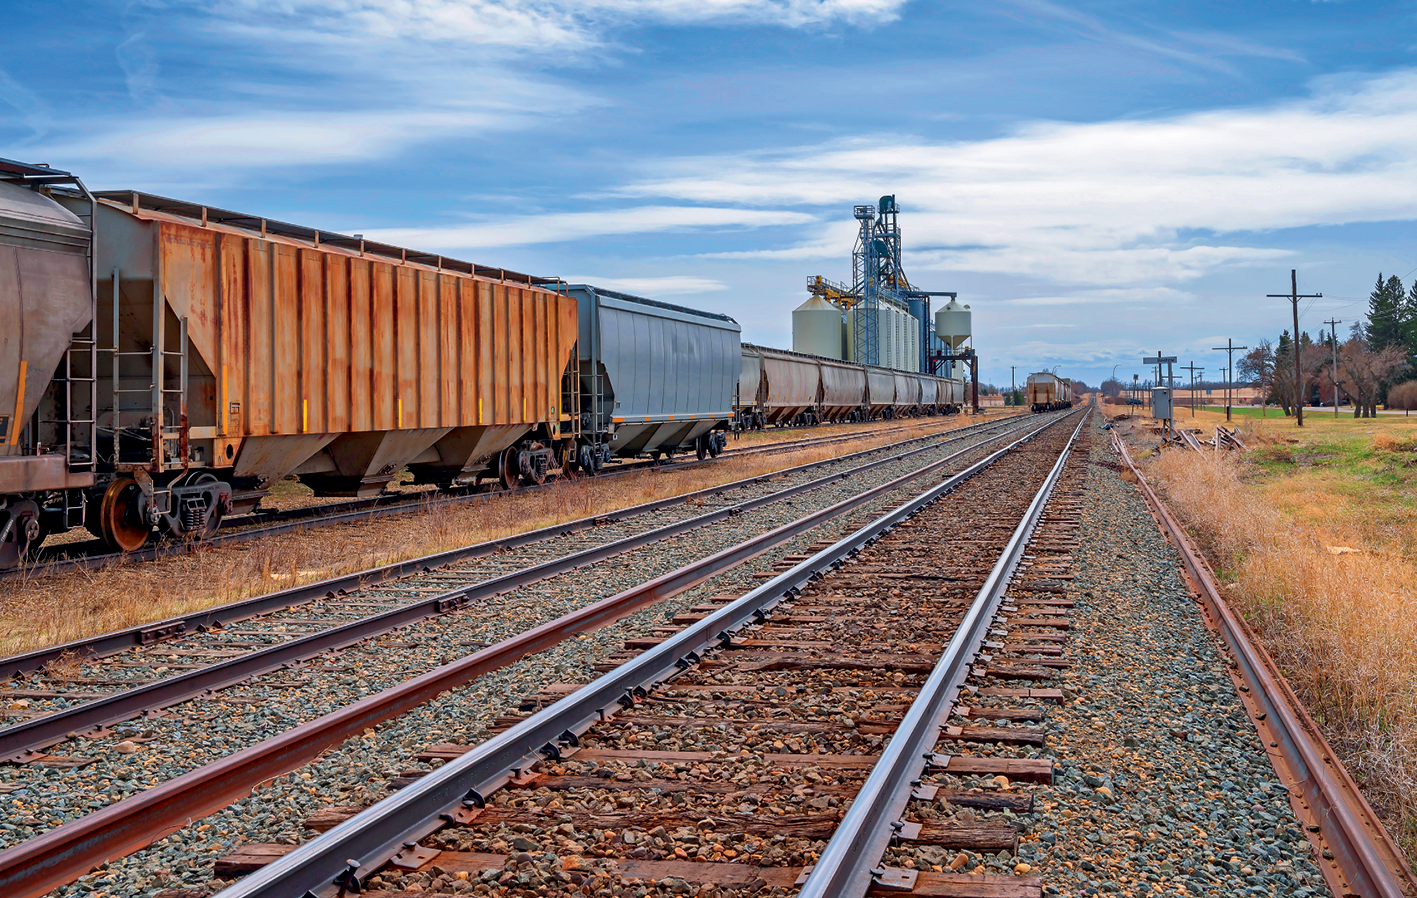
x,y
1294,296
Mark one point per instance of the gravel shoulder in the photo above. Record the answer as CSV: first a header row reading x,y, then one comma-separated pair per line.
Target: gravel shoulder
x,y
1162,784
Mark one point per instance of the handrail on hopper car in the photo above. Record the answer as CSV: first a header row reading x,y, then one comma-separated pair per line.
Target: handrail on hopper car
x,y
137,201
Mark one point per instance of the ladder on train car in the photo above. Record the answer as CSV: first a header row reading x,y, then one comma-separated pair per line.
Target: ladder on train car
x,y
84,459
155,452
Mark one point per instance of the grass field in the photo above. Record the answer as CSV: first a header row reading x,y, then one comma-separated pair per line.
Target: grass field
x,y
1314,535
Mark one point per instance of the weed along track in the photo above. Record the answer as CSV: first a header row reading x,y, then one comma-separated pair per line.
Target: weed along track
x,y
95,554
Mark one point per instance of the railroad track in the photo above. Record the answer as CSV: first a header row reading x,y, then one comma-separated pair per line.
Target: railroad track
x,y
1359,856
356,710
94,554
723,754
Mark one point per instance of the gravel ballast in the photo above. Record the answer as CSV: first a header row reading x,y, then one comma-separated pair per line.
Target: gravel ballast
x,y
357,773
1161,784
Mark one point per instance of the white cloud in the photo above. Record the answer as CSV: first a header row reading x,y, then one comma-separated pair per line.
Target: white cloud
x,y
1122,202
561,226
538,25
672,285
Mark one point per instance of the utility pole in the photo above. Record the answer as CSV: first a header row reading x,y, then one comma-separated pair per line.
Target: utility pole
x,y
1334,323
1194,371
1294,296
1012,389
1229,348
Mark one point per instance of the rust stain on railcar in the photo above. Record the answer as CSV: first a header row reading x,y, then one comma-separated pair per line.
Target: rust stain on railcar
x,y
339,343
309,339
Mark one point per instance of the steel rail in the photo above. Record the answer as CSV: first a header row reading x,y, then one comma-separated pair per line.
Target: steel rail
x,y
40,732
849,864
224,615
333,861
65,853
275,522
1363,851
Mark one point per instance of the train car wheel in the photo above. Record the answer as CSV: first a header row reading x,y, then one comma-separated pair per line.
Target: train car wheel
x,y
24,534
536,472
701,448
121,518
507,468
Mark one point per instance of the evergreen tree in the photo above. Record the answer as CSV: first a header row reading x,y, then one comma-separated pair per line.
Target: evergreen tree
x,y
1388,320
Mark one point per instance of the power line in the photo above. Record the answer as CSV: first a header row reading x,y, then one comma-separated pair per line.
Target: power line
x,y
1229,348
1334,323
1294,296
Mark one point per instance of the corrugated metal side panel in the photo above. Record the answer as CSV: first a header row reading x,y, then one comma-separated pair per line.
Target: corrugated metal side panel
x,y
929,390
314,342
792,382
843,386
665,366
341,345
907,390
882,387
468,395
750,377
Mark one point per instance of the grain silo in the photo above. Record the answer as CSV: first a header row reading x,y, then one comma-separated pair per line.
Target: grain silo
x,y
817,329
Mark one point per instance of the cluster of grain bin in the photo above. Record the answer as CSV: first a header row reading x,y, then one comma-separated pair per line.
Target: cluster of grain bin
x,y
823,329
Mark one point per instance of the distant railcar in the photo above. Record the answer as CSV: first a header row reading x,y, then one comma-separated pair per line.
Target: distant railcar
x,y
1046,392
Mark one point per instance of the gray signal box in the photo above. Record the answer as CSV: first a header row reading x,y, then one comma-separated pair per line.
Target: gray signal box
x,y
1161,403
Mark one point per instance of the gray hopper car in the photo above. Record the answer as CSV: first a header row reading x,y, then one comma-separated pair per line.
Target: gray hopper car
x,y
656,378
781,388
1046,392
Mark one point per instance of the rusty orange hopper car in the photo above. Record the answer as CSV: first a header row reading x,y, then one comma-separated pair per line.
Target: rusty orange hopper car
x,y
221,352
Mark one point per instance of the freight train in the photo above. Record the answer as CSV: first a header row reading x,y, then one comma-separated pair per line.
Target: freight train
x,y
1046,392
781,388
163,363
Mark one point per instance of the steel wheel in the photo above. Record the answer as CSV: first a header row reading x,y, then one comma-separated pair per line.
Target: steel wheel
x,y
120,516
25,534
536,475
506,466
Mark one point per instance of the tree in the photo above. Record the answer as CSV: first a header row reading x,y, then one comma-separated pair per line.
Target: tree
x,y
1281,380
1257,367
1389,321
1363,371
1403,396
1111,387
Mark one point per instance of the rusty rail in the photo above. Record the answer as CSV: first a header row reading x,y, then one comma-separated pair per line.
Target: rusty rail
x,y
1365,860
224,615
38,733
63,854
850,864
94,554
364,842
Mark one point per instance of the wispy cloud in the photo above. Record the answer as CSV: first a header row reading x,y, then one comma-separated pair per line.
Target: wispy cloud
x,y
1118,203
672,285
1202,49
543,24
562,226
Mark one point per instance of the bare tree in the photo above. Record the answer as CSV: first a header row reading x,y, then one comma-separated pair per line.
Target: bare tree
x,y
1278,368
1362,372
1403,396
1258,367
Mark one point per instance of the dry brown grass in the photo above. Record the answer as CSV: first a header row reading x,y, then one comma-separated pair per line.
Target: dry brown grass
x,y
48,609
1341,624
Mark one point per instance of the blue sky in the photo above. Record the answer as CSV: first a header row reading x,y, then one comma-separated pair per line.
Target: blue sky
x,y
1097,179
